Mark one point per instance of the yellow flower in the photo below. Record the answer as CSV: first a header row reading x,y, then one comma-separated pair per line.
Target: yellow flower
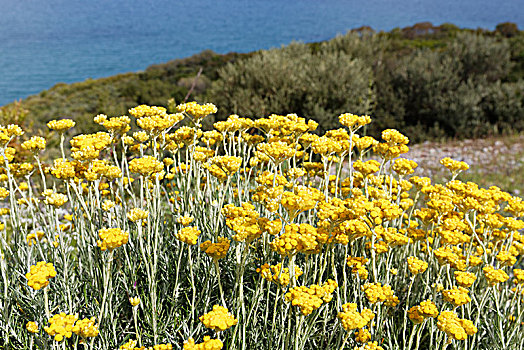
x,y
219,319
416,265
86,328
455,327
34,144
370,346
111,238
404,166
207,344
61,326
454,166
40,274
465,279
351,319
61,125
188,235
137,214
376,293
494,276
196,110
456,296
218,250
311,298
32,327
146,166
277,274
134,301
55,199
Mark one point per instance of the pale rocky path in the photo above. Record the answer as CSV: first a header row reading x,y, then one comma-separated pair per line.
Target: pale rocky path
x,y
486,157
498,159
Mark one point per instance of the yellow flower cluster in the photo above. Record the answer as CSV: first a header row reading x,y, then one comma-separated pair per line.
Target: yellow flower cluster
x,y
455,327
147,111
376,293
4,193
519,276
301,199
276,152
219,319
456,296
185,220
366,168
243,221
418,313
63,169
118,125
86,328
39,275
157,124
326,146
454,165
31,238
233,124
55,199
111,238
134,301
188,235
167,346
357,266
296,238
34,144
278,275
137,214
207,344
146,166
353,122
153,119
196,110
131,345
202,154
465,279
218,250
404,166
311,298
62,326
9,132
494,276
32,327
416,266
351,319
222,167
61,125
88,147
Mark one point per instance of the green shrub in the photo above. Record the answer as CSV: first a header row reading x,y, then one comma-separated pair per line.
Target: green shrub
x,y
295,80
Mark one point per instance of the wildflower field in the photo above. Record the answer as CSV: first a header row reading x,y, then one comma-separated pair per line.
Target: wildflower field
x,y
258,234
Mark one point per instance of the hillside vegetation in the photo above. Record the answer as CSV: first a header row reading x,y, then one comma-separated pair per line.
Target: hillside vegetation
x,y
429,81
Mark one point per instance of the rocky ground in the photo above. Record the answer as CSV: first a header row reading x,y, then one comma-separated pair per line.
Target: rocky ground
x,y
492,161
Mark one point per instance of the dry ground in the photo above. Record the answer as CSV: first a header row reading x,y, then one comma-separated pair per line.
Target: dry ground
x,y
493,161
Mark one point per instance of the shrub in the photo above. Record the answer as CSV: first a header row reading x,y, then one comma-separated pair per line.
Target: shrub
x,y
295,80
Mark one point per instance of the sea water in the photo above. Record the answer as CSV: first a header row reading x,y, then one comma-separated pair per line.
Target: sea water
x,y
44,42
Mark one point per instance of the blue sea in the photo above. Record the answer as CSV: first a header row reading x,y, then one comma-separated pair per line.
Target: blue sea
x,y
44,42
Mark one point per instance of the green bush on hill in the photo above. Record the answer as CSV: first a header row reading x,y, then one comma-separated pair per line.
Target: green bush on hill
x,y
318,85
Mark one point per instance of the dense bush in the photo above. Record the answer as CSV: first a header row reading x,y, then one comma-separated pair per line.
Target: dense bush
x,y
295,80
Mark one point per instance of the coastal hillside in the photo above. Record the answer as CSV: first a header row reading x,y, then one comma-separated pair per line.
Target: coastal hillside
x,y
430,81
